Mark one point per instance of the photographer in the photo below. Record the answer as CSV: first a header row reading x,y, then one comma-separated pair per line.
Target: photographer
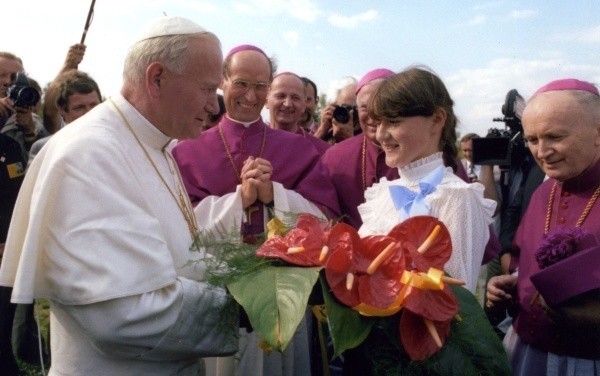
x,y
339,120
19,128
17,119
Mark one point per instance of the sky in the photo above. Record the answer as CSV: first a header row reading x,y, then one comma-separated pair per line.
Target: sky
x,y
480,49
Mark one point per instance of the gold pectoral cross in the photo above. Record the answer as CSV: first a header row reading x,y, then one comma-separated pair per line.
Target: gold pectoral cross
x,y
249,211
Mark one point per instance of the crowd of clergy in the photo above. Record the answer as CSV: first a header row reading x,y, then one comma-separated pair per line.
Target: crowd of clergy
x,y
102,198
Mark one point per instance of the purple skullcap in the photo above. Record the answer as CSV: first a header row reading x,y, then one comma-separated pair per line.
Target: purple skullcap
x,y
568,84
373,75
244,47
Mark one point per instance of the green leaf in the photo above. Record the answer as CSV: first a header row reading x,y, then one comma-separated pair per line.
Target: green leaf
x,y
347,327
473,347
275,299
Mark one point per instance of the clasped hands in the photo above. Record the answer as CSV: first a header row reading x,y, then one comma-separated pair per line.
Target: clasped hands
x,y
256,181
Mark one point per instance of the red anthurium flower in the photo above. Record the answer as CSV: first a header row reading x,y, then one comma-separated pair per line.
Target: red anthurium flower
x,y
340,270
302,245
416,338
423,232
434,305
429,305
366,271
380,288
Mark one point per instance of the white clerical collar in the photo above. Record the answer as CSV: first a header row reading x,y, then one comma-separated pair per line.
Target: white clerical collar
x,y
144,129
245,124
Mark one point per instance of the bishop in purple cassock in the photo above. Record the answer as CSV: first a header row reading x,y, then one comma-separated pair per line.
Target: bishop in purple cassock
x,y
212,164
556,284
246,171
357,163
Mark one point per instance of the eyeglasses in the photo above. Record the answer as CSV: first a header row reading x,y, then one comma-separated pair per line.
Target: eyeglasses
x,y
241,85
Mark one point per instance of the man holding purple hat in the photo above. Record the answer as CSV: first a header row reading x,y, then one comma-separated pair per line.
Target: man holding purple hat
x,y
246,171
556,285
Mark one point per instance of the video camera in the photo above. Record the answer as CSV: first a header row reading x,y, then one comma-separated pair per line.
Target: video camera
x,y
503,147
21,93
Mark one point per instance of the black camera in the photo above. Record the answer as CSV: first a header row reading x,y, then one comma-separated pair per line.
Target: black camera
x,y
503,147
21,93
342,113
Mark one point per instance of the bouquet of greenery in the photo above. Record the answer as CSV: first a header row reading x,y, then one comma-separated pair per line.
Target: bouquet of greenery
x,y
391,284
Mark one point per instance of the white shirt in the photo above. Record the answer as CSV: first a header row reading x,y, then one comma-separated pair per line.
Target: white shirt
x,y
460,206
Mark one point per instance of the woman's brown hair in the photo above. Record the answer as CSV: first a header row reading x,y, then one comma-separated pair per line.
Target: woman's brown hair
x,y
417,91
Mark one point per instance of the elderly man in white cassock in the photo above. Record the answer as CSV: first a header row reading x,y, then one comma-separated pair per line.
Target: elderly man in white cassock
x,y
103,226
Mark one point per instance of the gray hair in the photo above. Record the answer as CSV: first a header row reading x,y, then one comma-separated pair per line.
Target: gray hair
x,y
170,50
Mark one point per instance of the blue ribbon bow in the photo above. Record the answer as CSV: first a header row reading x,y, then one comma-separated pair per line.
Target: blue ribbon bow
x,y
411,203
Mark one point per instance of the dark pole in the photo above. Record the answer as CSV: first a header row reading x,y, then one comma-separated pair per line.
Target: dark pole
x,y
88,21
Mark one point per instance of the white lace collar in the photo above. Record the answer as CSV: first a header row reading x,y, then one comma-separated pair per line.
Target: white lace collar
x,y
415,171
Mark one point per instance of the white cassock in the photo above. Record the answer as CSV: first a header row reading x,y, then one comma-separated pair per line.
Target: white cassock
x,y
96,231
217,214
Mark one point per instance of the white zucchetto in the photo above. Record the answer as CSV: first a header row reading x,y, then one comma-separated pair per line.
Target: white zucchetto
x,y
170,26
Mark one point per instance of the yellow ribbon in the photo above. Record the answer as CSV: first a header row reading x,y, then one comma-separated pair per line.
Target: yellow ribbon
x,y
430,281
276,227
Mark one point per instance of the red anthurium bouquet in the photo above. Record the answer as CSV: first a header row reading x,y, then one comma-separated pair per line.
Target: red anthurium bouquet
x,y
380,274
396,280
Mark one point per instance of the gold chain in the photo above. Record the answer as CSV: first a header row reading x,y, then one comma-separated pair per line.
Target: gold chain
x,y
183,202
228,151
363,166
584,214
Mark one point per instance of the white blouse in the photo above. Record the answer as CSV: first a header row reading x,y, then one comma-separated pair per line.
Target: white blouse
x,y
459,205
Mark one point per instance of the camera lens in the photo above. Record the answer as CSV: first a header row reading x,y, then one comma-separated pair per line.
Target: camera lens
x,y
24,97
341,114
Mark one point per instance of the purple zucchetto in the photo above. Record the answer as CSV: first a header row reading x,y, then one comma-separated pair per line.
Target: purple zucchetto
x,y
568,84
373,75
244,47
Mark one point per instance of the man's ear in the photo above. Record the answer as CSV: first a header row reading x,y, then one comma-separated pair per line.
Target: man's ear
x,y
155,72
62,112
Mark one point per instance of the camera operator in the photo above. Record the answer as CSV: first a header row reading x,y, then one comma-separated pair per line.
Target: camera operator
x,y
18,122
484,174
519,177
339,120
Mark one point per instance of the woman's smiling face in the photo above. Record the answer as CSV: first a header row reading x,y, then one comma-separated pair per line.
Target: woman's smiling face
x,y
407,139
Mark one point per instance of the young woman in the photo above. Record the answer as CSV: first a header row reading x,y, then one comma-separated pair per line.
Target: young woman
x,y
417,131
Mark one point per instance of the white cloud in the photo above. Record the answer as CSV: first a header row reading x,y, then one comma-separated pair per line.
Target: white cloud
x,y
291,38
304,10
477,20
591,35
353,21
480,93
523,14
